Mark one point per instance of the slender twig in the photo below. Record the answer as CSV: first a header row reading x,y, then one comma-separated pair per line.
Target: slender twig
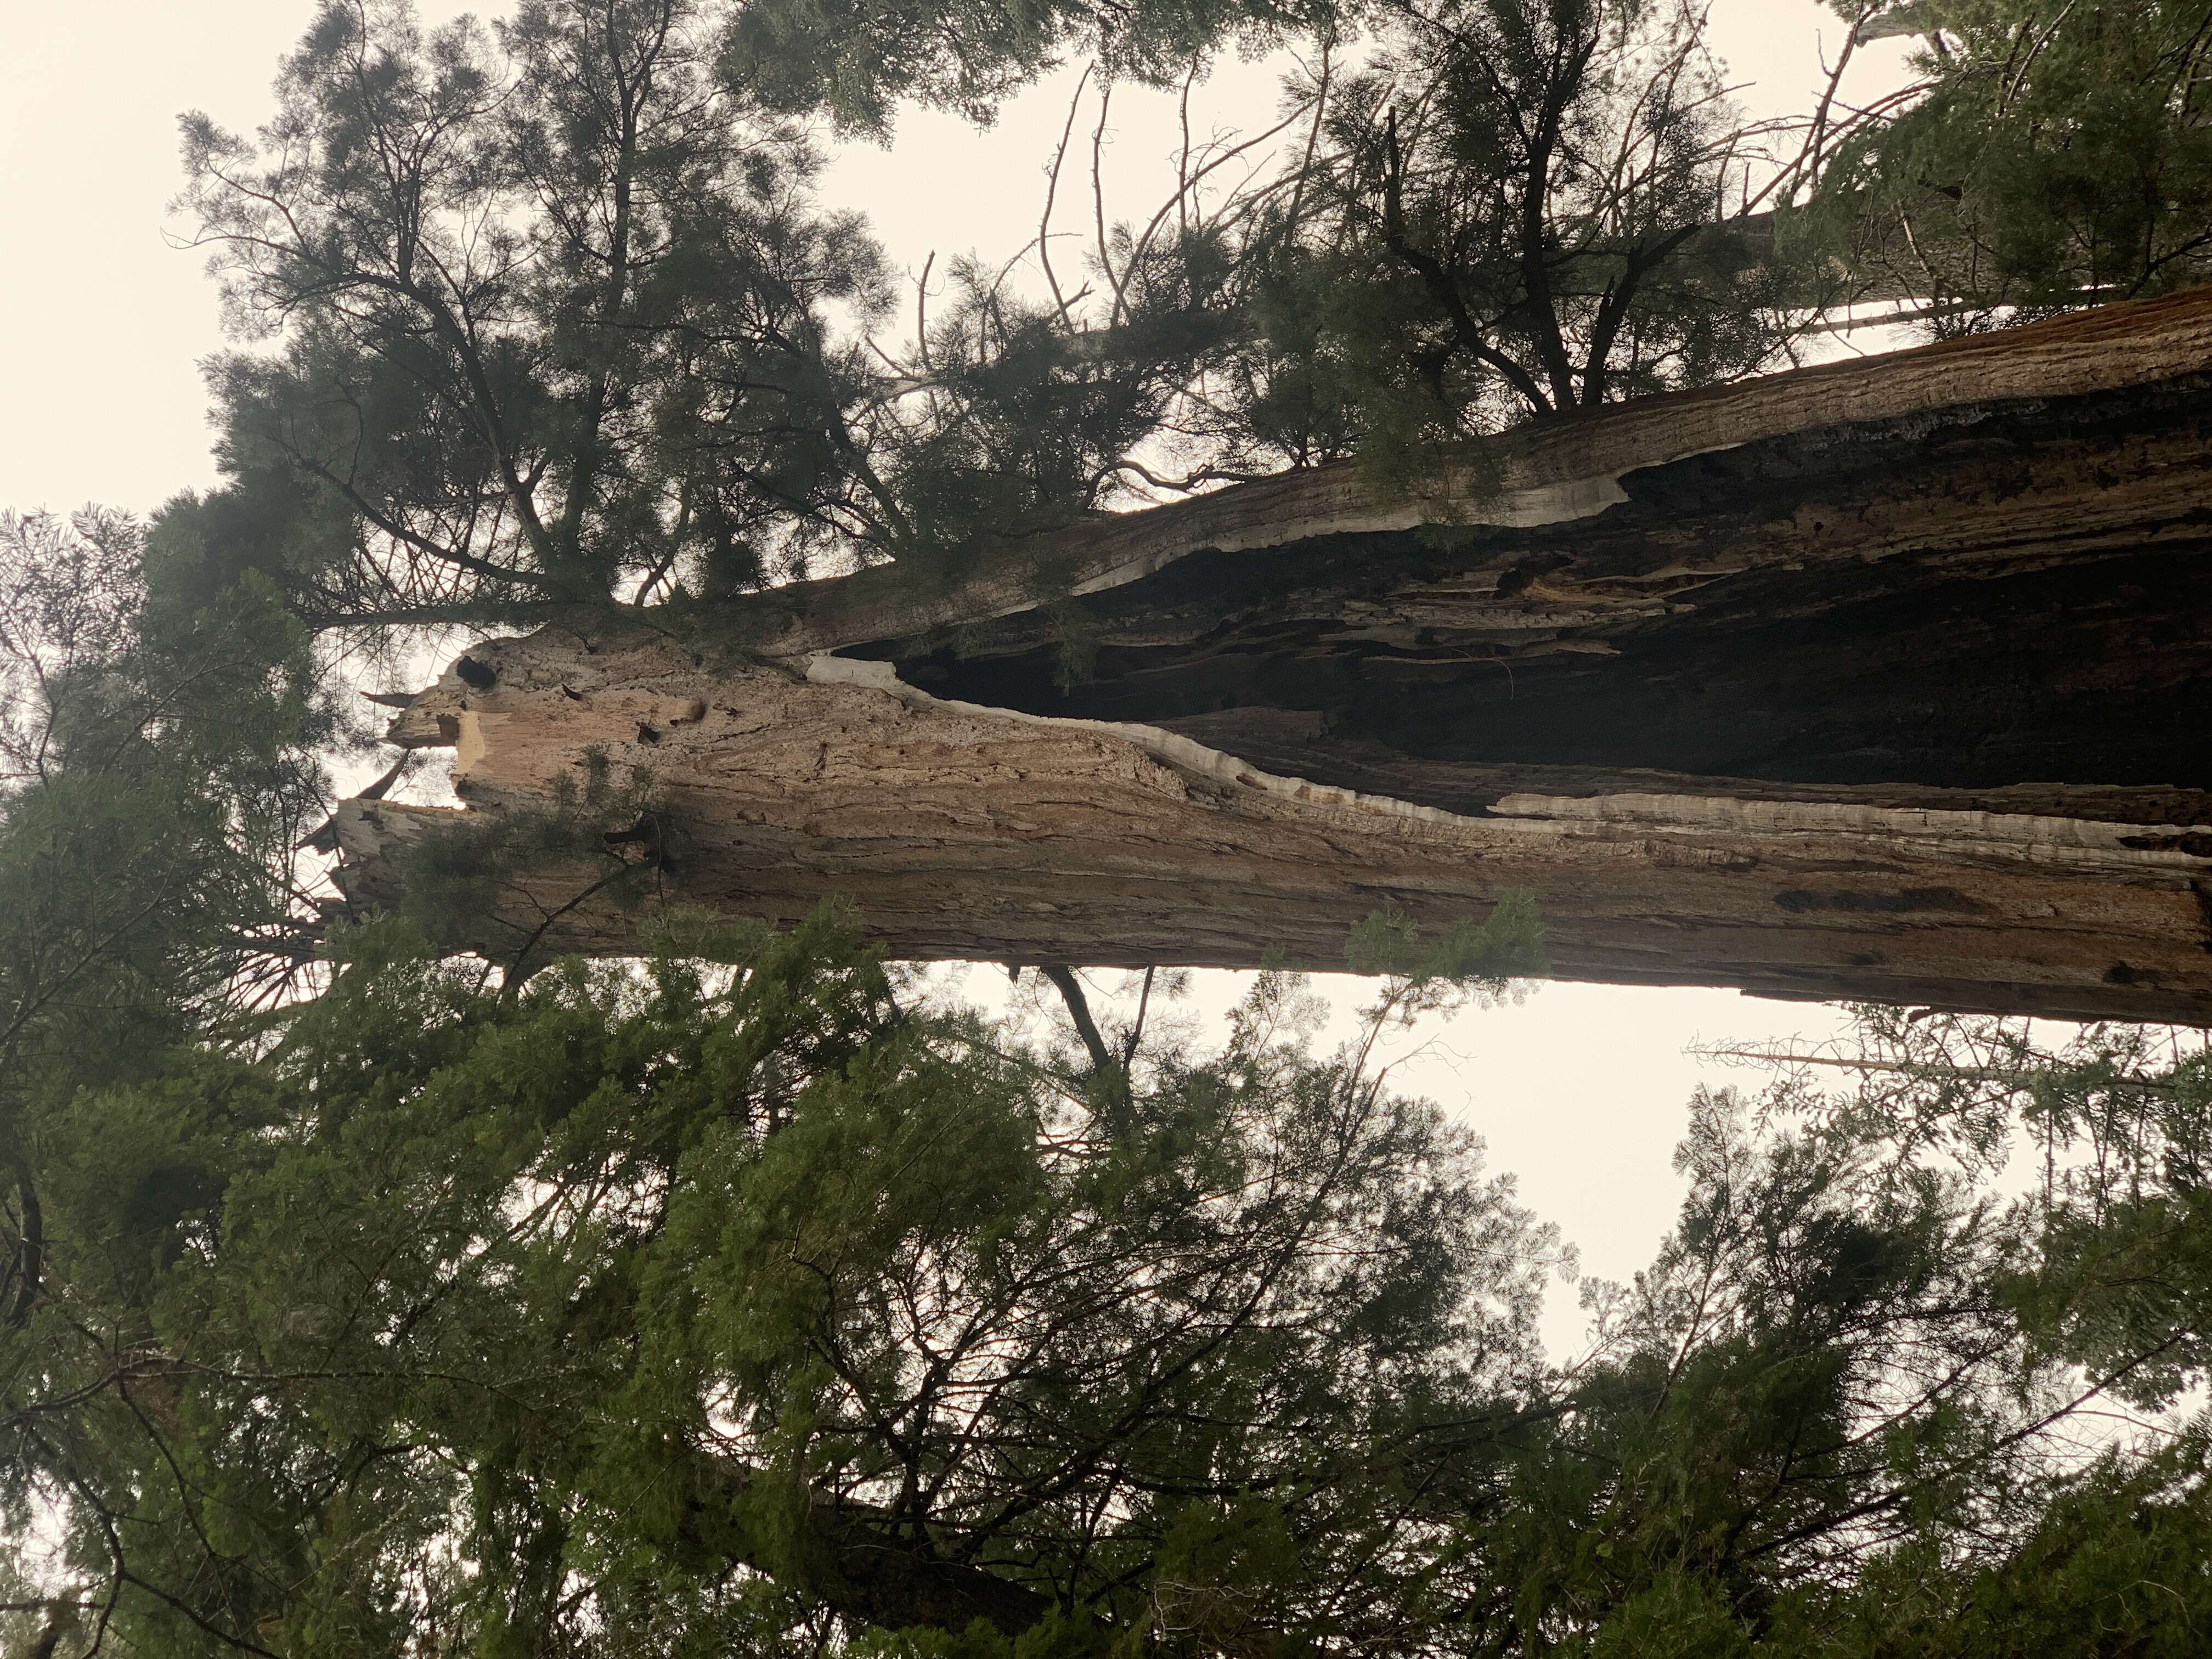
x,y
1052,189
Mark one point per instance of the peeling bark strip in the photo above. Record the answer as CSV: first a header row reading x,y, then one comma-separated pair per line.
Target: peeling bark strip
x,y
1888,679
1555,472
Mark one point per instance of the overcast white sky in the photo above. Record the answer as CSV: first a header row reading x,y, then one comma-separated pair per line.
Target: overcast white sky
x,y
1581,1089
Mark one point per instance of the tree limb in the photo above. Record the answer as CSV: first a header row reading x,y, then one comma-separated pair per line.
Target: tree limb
x,y
854,1559
1078,1010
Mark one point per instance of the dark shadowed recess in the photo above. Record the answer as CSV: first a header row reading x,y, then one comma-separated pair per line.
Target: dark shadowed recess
x,y
2003,607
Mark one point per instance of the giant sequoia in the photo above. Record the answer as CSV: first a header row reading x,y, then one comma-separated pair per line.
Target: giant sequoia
x,y
1499,562
1885,679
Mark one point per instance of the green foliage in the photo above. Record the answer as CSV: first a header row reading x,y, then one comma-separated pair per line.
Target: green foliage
x,y
734,1299
1508,944
624,1277
553,321
2060,157
855,61
559,319
1518,211
1827,1419
157,782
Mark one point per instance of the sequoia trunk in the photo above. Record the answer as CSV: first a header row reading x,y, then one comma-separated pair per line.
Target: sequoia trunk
x,y
1889,679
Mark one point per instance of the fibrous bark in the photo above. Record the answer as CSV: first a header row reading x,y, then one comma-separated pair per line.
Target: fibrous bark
x,y
1890,679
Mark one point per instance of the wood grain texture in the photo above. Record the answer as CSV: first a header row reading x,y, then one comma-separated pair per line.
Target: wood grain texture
x,y
970,833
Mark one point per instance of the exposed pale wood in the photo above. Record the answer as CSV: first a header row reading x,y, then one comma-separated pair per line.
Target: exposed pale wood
x,y
961,832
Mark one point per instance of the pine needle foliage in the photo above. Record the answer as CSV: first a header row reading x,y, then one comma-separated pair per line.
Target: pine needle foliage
x,y
741,1298
554,315
2059,157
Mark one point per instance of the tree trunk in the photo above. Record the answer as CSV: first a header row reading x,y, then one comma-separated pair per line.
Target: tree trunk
x,y
1890,679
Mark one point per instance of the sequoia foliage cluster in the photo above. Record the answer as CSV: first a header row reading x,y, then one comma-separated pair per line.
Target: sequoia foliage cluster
x,y
559,315
2060,156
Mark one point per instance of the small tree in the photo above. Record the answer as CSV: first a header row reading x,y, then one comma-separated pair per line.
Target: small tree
x,y
1525,211
2060,157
